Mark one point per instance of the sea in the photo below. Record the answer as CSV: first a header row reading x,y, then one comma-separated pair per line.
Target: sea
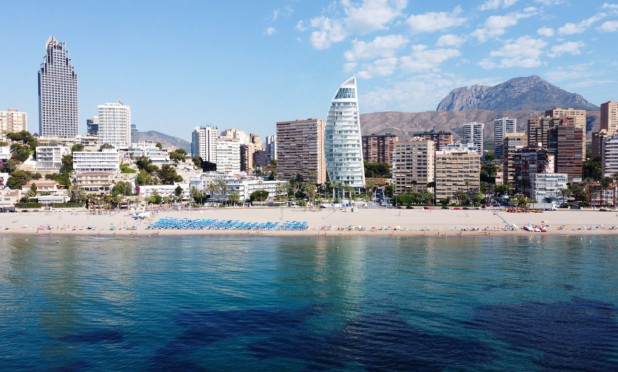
x,y
256,303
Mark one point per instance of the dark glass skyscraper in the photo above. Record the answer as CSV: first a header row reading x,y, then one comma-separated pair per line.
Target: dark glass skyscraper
x,y
58,113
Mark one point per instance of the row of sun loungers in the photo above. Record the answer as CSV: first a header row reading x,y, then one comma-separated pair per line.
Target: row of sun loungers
x,y
215,224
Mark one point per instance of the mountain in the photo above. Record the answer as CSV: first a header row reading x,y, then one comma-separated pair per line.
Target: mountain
x,y
404,124
166,140
522,93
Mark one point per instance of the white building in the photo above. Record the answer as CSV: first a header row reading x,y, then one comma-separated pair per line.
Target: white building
x,y
271,146
164,190
502,127
5,153
548,185
204,143
244,186
106,161
49,158
343,142
473,133
237,134
228,155
13,121
149,150
610,156
114,124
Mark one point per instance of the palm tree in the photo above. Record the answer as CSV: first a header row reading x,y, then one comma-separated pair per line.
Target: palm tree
x,y
234,198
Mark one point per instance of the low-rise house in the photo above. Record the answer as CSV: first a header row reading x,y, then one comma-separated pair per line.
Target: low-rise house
x,y
94,182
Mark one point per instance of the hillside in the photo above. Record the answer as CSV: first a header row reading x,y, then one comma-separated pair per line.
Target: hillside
x,y
518,94
404,124
166,140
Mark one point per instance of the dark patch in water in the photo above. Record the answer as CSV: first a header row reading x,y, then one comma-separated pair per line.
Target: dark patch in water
x,y
568,287
382,341
94,337
205,327
502,286
80,365
575,335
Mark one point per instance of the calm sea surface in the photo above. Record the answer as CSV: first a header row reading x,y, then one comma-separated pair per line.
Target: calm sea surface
x,y
271,303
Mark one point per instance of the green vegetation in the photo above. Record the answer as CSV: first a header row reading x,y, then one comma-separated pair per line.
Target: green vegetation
x,y
178,155
77,147
126,169
259,196
377,170
122,188
593,169
105,146
18,178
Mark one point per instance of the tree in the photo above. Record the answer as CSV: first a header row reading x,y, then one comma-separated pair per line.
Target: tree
x,y
159,145
593,169
488,172
78,195
121,188
178,155
197,161
18,178
259,195
178,191
234,198
381,170
77,147
32,192
197,195
143,178
105,146
168,175
126,169
461,197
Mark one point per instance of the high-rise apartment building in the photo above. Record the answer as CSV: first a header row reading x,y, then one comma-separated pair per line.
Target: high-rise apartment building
x,y
609,117
237,134
115,124
204,143
511,144
578,116
246,157
440,138
538,130
92,126
473,133
502,127
342,143
271,147
413,165
565,141
256,141
610,156
134,134
457,170
58,111
529,161
13,120
300,150
378,148
228,155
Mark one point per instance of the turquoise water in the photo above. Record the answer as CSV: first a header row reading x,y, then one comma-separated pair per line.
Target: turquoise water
x,y
272,303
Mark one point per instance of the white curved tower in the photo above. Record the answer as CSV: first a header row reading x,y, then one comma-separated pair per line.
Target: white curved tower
x,y
342,140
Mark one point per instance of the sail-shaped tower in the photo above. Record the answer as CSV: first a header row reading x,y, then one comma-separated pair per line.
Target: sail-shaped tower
x,y
342,138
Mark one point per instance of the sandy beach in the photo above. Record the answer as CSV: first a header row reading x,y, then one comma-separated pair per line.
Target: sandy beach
x,y
323,222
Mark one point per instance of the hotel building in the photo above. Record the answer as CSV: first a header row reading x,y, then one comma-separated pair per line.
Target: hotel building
x,y
342,141
204,143
115,124
58,111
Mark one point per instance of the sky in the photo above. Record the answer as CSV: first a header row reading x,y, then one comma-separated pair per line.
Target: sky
x,y
248,64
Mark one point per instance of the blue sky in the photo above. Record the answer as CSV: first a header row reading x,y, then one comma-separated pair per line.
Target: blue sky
x,y
248,64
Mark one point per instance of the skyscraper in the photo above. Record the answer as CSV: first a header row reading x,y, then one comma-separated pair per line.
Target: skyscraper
x,y
57,93
342,141
300,150
473,133
271,146
115,124
378,148
134,134
609,117
502,127
204,143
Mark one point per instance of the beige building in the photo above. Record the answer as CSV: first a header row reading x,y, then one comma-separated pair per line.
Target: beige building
x,y
300,150
511,143
457,170
12,120
578,116
413,165
378,148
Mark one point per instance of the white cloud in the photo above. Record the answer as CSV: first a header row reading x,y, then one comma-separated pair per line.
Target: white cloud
x,y
380,67
423,58
451,40
381,46
613,7
434,21
421,92
495,4
369,16
609,26
300,26
550,2
270,31
523,52
546,31
285,11
578,28
573,72
496,25
570,47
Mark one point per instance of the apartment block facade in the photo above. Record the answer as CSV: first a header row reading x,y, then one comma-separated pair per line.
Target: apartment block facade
x,y
502,127
378,148
473,133
413,165
457,170
300,150
440,138
13,120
